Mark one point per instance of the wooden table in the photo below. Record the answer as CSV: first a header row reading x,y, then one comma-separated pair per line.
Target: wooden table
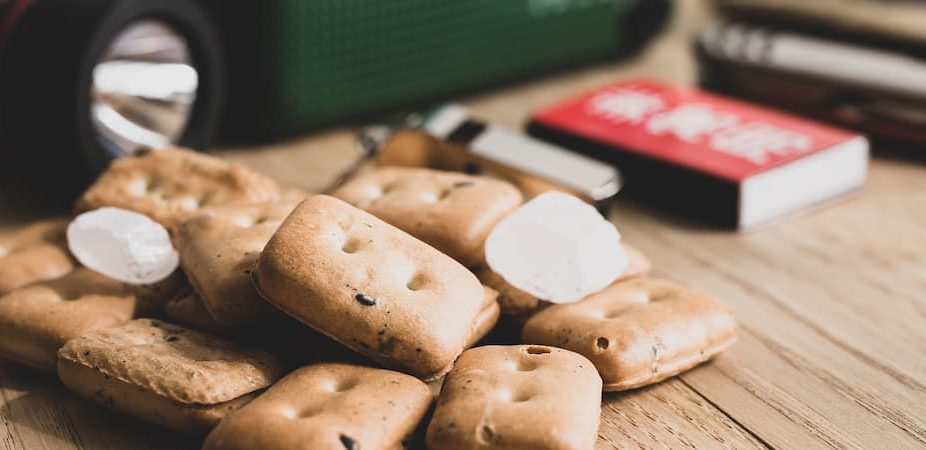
x,y
831,304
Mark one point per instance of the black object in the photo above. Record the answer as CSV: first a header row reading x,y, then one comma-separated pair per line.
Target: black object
x,y
48,51
365,300
879,91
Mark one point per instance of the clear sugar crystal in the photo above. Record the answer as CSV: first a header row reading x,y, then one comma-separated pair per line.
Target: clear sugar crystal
x,y
557,248
123,245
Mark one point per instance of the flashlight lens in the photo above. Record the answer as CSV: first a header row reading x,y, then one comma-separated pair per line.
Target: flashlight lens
x,y
143,89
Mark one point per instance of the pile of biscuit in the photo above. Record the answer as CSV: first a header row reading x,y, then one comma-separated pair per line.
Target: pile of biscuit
x,y
316,322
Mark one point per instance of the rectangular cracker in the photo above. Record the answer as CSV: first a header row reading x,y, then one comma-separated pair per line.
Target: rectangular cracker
x,y
328,406
519,397
515,302
36,320
487,318
125,398
171,184
638,332
187,309
370,286
294,195
35,252
451,211
166,374
218,248
277,336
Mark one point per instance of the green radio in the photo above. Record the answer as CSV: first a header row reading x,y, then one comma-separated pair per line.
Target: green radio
x,y
117,76
297,64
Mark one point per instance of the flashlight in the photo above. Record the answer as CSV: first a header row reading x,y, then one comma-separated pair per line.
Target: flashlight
x,y
85,81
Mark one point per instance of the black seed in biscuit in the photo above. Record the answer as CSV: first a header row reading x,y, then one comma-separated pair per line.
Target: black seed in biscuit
x,y
349,444
365,299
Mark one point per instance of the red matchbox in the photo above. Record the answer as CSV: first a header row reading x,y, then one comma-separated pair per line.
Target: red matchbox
x,y
725,161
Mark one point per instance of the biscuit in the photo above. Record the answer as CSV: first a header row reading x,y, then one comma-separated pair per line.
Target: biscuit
x,y
370,286
187,309
277,336
328,406
451,211
515,302
218,248
294,195
171,184
638,264
179,378
487,318
638,332
517,397
296,344
32,253
36,320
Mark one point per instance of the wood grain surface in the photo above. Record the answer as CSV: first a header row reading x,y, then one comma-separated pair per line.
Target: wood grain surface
x,y
831,304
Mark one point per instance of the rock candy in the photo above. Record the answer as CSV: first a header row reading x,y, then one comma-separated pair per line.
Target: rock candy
x,y
557,248
122,245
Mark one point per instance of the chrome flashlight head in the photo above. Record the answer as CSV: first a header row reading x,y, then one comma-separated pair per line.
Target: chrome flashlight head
x,y
143,88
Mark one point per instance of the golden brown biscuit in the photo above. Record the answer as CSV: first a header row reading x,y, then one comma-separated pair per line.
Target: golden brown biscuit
x,y
452,211
171,184
511,300
370,286
32,253
128,399
515,302
414,148
294,195
328,406
295,343
36,320
218,248
173,376
520,397
487,318
187,309
638,264
638,332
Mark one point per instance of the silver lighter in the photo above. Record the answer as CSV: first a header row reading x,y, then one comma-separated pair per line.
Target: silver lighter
x,y
449,138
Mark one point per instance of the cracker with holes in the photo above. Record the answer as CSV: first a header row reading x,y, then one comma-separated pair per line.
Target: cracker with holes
x,y
169,375
487,318
218,247
315,347
277,336
36,320
186,308
370,286
515,302
171,184
32,253
294,195
518,397
638,332
451,211
328,406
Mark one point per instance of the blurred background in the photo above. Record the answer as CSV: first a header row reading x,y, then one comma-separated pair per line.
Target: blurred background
x,y
85,81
